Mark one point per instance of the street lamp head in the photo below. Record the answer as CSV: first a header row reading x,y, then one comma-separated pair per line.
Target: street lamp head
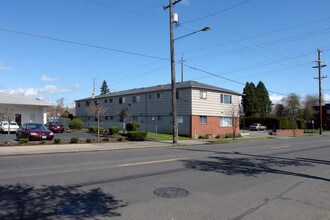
x,y
208,28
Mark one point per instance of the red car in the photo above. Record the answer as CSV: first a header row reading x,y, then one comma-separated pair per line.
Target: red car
x,y
34,131
56,126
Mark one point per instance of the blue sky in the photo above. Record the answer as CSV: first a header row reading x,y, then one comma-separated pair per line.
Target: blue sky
x,y
55,48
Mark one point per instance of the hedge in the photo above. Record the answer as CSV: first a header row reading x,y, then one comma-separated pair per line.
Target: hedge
x,y
132,126
76,124
114,130
136,135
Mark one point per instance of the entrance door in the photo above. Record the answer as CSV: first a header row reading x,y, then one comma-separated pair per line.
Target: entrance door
x,y
18,119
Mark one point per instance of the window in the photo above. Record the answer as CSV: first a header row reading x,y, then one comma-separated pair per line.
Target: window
x,y
180,119
96,102
121,100
32,117
105,117
159,118
225,99
110,100
203,120
159,95
88,103
150,96
111,118
105,100
226,121
177,95
137,119
78,104
203,94
136,98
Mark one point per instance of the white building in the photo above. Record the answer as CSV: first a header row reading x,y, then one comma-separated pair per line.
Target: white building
x,y
201,109
25,109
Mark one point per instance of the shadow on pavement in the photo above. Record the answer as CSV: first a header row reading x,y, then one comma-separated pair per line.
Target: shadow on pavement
x,y
23,201
249,165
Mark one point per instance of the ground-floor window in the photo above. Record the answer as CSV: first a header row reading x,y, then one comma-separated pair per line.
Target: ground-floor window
x,y
226,121
203,120
180,119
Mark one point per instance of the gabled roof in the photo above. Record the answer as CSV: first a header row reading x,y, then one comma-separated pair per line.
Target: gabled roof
x,y
10,99
158,88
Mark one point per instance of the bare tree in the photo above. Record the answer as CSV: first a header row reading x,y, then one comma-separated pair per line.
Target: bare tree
x,y
8,113
123,115
292,103
235,114
97,111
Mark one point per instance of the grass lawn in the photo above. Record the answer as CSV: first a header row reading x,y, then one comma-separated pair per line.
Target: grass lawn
x,y
163,137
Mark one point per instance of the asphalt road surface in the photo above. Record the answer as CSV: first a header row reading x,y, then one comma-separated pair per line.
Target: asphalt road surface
x,y
273,179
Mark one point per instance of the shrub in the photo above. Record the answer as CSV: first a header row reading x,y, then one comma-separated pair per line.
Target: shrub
x,y
136,135
232,136
218,136
105,139
88,140
202,136
76,124
92,129
132,126
57,140
119,139
74,140
23,140
113,130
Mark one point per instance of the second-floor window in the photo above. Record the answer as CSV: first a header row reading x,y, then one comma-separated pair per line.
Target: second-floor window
x,y
121,100
225,99
136,98
203,94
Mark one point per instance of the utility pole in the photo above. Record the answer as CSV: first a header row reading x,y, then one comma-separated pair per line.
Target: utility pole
x,y
93,92
182,71
173,81
320,66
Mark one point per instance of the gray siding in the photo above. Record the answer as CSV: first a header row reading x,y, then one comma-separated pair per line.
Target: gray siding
x,y
211,105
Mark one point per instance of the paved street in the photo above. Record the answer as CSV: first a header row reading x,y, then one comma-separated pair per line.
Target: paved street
x,y
270,179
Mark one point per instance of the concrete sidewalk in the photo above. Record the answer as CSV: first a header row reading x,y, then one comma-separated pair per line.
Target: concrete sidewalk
x,y
86,147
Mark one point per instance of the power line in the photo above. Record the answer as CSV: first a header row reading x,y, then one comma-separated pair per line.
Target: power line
x,y
81,44
210,15
124,10
225,78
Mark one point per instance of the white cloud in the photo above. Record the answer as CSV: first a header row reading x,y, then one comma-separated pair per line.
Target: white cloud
x,y
42,92
185,2
276,99
48,79
326,98
4,67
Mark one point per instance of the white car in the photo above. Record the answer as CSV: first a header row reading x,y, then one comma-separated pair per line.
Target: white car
x,y
4,126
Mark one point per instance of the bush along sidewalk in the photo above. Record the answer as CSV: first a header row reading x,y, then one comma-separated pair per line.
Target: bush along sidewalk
x,y
136,135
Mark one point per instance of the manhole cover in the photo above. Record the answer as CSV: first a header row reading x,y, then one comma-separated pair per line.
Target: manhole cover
x,y
171,192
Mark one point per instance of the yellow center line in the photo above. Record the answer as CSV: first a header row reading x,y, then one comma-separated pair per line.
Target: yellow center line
x,y
150,162
279,147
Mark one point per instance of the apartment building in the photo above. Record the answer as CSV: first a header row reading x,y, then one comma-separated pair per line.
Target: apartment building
x,y
201,109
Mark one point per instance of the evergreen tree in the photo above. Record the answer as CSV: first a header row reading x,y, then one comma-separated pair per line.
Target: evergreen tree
x,y
250,100
104,88
265,105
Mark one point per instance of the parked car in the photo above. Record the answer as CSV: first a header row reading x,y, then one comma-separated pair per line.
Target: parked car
x,y
56,126
34,131
4,126
257,127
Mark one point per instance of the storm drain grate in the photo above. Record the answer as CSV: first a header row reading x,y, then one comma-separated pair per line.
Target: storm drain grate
x,y
171,192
